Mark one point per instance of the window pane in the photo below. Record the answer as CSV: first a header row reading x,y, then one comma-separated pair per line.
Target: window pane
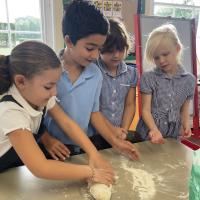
x,y
183,13
3,26
185,2
196,2
163,11
3,18
170,1
23,23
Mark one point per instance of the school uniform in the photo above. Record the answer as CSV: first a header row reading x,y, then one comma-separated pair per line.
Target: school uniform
x,y
168,95
14,116
78,100
115,89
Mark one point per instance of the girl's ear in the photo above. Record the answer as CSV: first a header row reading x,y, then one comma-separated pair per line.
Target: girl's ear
x,y
20,81
178,48
68,42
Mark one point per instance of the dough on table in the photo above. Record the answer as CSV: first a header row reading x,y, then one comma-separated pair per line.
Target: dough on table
x,y
101,191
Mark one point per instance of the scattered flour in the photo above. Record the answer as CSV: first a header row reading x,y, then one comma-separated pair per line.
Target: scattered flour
x,y
147,183
143,182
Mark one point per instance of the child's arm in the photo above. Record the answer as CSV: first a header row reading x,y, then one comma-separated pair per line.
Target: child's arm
x,y
129,108
185,121
154,133
31,155
124,147
118,131
55,147
78,136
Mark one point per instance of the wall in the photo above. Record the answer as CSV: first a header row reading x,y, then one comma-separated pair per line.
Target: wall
x,y
58,13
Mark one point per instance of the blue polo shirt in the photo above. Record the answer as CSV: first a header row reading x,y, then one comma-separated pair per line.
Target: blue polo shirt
x,y
78,100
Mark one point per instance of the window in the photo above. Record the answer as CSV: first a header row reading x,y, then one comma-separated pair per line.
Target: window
x,y
19,21
181,9
29,20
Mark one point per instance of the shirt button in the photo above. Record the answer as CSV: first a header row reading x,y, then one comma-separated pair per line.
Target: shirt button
x,y
113,103
114,91
113,115
165,123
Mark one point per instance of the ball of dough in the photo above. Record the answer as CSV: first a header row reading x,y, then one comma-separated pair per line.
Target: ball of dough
x,y
101,191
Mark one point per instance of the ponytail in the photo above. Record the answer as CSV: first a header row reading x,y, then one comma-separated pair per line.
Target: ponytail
x,y
5,78
28,59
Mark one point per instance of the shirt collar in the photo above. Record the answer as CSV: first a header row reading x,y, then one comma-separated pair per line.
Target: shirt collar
x,y
181,72
20,99
87,73
122,67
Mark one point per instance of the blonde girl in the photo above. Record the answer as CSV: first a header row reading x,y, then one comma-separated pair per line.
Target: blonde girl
x,y
166,90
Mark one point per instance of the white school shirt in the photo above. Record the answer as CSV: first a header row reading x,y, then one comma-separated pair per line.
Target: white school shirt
x,y
13,117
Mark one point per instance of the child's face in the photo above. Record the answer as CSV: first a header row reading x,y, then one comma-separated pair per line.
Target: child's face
x,y
113,58
165,56
38,90
86,49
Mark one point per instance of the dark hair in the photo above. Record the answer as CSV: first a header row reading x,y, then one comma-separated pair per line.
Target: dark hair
x,y
81,19
28,58
117,39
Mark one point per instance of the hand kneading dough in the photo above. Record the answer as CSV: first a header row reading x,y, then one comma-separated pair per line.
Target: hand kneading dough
x,y
100,191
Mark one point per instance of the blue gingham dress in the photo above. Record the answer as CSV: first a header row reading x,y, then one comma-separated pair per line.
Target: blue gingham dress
x,y
115,89
168,96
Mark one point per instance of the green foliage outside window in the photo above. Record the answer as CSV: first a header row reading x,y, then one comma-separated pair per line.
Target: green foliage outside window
x,y
30,24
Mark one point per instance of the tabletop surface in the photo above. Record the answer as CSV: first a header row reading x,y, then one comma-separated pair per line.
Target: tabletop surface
x,y
161,174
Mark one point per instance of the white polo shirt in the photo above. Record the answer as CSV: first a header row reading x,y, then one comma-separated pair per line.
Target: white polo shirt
x,y
13,117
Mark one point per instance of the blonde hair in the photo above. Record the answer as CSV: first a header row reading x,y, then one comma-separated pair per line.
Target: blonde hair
x,y
157,37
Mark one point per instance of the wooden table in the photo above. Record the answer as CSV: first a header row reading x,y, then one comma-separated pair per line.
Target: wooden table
x,y
161,174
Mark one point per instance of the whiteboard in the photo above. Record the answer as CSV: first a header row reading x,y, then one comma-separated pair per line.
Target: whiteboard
x,y
183,26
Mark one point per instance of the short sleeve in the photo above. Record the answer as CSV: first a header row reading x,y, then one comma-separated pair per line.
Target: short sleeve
x,y
12,120
134,76
146,83
191,87
51,103
95,107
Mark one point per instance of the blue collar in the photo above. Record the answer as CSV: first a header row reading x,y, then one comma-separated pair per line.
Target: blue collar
x,y
181,72
122,67
87,73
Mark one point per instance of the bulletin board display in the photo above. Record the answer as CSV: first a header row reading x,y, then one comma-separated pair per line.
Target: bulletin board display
x,y
187,34
125,11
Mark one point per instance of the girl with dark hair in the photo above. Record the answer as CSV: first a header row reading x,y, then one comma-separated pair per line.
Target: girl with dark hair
x,y
28,83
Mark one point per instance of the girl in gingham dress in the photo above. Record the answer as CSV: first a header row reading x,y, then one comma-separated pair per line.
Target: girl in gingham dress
x,y
118,93
166,90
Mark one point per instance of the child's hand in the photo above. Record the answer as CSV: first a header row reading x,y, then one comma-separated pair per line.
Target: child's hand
x,y
120,132
101,176
156,137
186,132
126,148
97,161
56,149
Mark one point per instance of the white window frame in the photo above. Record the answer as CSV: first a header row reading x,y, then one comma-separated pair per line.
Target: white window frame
x,y
47,17
51,16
